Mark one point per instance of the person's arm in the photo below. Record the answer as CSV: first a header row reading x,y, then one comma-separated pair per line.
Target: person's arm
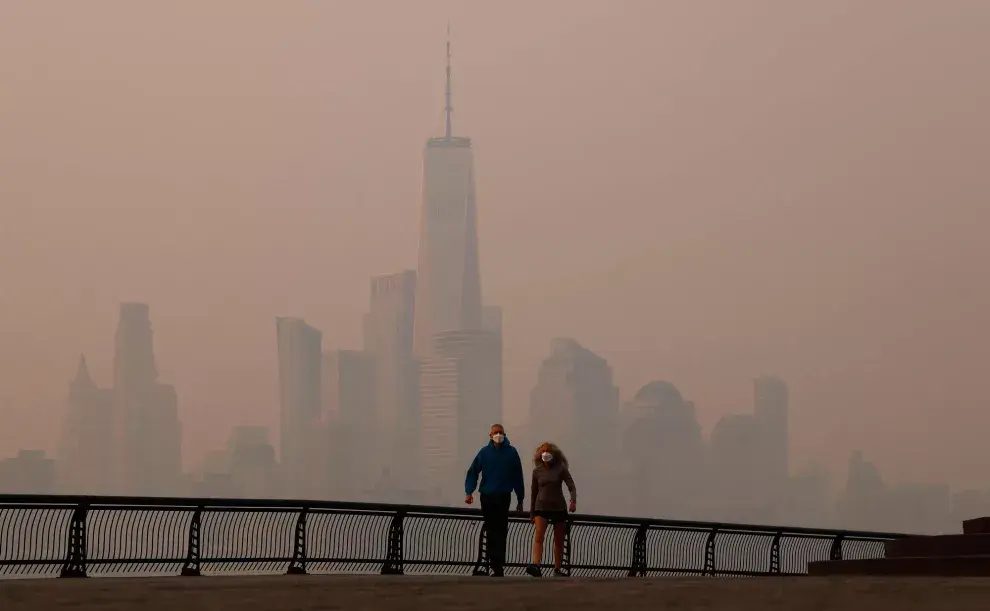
x,y
571,488
534,489
519,483
471,481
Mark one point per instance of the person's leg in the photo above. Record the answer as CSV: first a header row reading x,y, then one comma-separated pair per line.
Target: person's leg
x,y
559,532
488,506
538,538
500,521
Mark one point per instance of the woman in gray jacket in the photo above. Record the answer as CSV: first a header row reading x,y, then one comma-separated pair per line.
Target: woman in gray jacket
x,y
547,504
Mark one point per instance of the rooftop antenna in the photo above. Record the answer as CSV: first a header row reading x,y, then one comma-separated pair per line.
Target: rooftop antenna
x,y
448,109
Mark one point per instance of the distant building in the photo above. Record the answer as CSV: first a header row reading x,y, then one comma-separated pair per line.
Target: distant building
x,y
30,472
252,462
448,286
355,453
460,398
457,342
665,453
86,452
806,502
575,404
299,378
388,337
741,485
149,435
245,468
865,502
770,407
491,319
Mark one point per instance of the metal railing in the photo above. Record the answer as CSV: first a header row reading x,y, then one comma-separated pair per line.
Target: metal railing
x,y
79,536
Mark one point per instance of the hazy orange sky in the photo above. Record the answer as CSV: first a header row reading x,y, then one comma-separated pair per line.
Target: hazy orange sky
x,y
699,191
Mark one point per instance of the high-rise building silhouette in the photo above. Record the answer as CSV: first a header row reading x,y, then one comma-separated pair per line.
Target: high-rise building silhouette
x,y
575,404
300,353
864,504
388,337
661,430
448,286
86,452
460,398
457,342
770,405
739,471
491,319
349,407
149,435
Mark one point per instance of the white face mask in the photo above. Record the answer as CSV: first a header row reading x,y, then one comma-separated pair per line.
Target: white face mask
x,y
546,456
498,437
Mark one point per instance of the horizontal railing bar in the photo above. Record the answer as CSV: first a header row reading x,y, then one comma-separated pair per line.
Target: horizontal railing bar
x,y
104,503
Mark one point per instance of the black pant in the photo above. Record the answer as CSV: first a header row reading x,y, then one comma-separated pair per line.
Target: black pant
x,y
495,509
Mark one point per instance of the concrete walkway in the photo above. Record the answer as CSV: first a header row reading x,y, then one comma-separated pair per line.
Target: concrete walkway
x,y
400,593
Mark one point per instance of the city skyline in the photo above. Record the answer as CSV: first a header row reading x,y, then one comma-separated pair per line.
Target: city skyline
x,y
704,233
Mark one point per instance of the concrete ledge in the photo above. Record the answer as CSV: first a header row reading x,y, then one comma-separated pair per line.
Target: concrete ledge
x,y
934,566
408,593
939,545
976,526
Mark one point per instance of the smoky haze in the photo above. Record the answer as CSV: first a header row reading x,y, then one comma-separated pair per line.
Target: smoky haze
x,y
698,192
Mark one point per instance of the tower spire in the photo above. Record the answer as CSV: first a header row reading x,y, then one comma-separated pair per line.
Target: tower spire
x,y
448,109
82,380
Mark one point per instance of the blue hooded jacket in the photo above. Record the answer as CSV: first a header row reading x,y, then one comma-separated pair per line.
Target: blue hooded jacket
x,y
500,470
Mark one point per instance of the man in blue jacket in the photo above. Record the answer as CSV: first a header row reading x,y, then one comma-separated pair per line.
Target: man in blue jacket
x,y
501,474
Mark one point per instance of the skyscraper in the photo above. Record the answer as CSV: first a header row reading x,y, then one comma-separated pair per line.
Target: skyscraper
x,y
460,398
448,287
770,405
149,435
576,405
738,471
300,355
457,342
355,452
388,338
661,429
86,455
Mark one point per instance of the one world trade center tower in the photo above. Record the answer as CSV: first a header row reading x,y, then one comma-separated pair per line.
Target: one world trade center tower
x,y
457,342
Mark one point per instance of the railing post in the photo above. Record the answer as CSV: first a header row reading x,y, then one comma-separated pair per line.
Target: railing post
x,y
709,568
638,568
835,553
565,561
298,564
775,554
394,564
75,556
481,565
191,567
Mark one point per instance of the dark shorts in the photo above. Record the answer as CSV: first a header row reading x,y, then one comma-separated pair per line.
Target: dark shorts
x,y
554,517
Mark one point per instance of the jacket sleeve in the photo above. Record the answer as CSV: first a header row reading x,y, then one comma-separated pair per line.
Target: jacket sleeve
x,y
569,482
471,481
534,489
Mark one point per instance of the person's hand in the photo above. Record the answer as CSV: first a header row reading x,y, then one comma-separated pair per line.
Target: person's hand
x,y
469,499
573,506
519,506
532,518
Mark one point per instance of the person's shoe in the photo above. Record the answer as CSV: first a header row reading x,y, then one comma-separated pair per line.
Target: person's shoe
x,y
498,573
559,573
534,571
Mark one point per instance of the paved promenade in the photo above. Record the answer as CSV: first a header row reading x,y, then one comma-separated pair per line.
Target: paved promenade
x,y
304,593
